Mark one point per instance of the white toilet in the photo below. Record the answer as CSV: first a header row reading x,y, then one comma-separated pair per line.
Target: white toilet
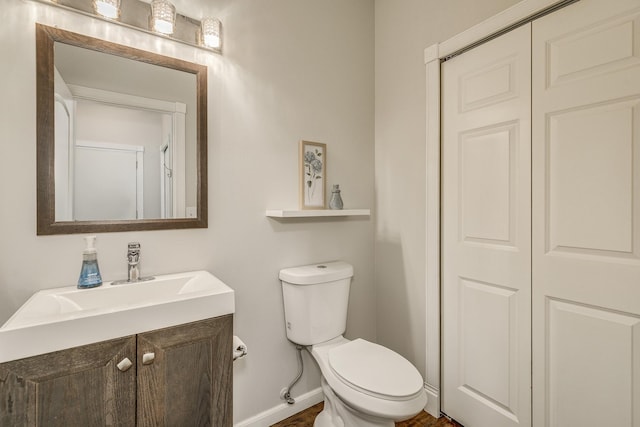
x,y
364,384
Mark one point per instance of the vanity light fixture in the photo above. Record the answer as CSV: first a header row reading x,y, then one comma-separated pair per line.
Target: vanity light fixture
x,y
210,33
107,8
163,16
157,17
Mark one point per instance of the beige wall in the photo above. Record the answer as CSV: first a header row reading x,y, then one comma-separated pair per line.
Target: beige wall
x,y
291,70
403,29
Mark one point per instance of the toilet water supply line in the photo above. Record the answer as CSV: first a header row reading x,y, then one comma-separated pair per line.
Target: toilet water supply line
x,y
286,393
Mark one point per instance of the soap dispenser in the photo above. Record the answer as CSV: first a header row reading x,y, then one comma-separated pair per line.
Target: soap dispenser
x,y
89,273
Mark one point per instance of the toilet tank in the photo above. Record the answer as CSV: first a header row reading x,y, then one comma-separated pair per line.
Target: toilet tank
x,y
316,298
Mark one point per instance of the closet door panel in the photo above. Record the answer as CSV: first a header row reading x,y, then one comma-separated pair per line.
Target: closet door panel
x,y
586,215
487,170
486,230
591,339
590,175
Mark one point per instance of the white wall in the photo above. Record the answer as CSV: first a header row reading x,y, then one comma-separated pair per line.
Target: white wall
x,y
291,69
403,29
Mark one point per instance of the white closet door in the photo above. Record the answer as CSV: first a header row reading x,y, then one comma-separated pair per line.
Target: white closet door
x,y
486,233
586,215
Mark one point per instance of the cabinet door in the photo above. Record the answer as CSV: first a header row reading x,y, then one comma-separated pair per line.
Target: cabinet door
x,y
77,387
188,379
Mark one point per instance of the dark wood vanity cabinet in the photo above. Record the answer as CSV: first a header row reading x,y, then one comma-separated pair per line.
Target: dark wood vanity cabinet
x,y
190,381
178,376
78,386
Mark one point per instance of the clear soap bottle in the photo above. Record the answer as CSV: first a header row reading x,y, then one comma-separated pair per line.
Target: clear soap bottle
x,y
90,272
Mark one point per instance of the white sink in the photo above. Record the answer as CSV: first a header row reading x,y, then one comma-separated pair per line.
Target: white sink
x,y
56,319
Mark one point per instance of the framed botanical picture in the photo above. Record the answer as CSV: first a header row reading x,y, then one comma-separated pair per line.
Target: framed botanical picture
x,y
313,166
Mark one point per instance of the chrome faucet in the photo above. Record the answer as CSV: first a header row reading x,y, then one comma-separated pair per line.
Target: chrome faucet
x,y
133,258
133,269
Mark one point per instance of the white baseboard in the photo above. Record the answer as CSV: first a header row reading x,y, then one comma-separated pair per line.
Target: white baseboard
x,y
433,401
284,410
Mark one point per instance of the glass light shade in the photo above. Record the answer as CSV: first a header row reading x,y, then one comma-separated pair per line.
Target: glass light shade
x,y
163,16
107,8
210,33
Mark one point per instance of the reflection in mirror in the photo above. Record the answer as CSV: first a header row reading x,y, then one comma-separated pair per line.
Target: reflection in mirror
x,y
133,139
121,137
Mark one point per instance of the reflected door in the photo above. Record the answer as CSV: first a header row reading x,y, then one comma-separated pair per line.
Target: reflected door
x,y
63,158
486,234
108,181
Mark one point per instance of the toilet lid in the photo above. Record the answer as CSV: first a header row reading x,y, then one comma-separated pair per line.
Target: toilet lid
x,y
375,369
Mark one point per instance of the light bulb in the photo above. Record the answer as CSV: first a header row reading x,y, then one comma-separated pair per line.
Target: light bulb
x,y
163,16
210,33
107,8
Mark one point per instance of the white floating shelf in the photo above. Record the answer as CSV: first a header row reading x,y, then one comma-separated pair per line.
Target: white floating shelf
x,y
291,213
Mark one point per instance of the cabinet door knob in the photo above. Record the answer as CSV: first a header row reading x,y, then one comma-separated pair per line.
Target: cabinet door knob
x,y
124,364
147,358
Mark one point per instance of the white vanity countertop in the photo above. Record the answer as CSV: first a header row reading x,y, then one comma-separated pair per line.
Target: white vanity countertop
x,y
61,318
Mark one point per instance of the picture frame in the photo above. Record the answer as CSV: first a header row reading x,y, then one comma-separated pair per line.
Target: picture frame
x,y
312,175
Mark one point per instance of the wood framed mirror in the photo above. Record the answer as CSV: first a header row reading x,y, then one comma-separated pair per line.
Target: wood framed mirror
x,y
121,137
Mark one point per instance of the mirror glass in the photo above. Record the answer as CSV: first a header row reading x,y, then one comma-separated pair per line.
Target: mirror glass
x,y
121,137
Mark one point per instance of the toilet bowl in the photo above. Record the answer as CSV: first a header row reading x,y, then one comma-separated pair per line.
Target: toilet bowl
x,y
376,385
364,384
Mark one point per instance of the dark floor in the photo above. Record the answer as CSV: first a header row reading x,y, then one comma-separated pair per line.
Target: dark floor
x,y
305,419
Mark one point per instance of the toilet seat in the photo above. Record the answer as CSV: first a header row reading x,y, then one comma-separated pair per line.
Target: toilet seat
x,y
375,370
378,402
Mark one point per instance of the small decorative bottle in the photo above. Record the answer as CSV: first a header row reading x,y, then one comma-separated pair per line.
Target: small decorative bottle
x,y
336,199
